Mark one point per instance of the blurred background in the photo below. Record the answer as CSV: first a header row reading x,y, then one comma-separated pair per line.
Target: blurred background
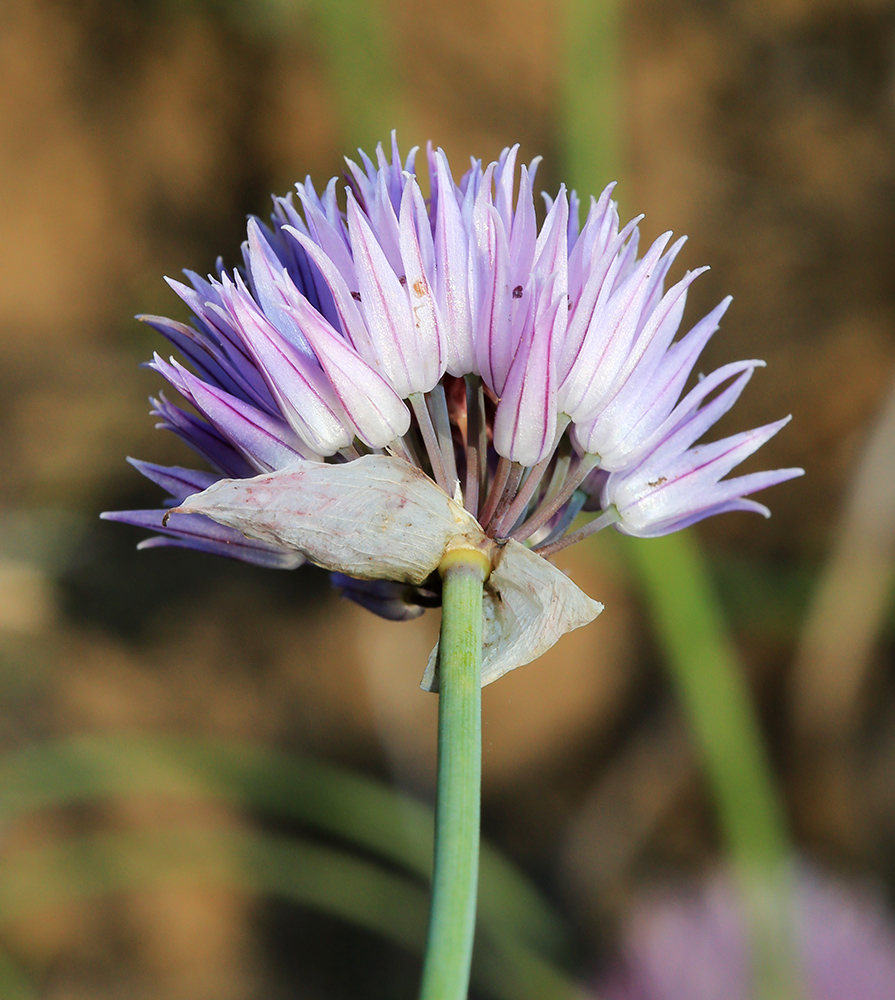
x,y
135,137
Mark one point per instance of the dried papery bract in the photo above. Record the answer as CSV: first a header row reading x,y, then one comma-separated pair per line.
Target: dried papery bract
x,y
377,518
380,518
528,605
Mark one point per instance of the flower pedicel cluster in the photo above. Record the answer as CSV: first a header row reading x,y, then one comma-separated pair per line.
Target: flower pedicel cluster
x,y
532,373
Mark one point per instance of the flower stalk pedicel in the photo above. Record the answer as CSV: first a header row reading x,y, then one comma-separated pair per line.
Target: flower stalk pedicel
x,y
458,799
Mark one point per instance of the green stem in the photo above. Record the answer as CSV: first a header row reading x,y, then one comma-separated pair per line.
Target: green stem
x,y
712,687
455,879
592,104
357,39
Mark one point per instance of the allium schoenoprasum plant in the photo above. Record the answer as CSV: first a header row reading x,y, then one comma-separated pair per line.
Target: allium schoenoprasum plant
x,y
425,396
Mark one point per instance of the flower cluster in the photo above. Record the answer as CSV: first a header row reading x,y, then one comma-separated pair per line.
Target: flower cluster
x,y
531,371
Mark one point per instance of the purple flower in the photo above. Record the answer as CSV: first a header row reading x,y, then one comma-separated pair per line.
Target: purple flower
x,y
532,372
692,945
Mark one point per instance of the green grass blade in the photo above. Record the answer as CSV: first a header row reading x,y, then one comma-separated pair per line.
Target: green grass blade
x,y
712,687
341,803
362,67
334,881
323,878
14,984
591,95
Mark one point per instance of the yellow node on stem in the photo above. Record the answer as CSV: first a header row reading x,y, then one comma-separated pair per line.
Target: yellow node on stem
x,y
475,556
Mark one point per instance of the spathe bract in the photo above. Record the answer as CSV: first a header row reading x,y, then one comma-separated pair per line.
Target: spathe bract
x,y
380,518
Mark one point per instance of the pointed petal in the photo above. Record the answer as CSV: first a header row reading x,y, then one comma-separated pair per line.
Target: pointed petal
x,y
552,249
591,281
504,178
609,349
374,409
523,233
453,280
176,480
667,491
495,345
204,439
206,358
302,272
525,420
205,535
643,402
345,300
269,284
266,441
383,303
417,259
690,419
330,235
295,379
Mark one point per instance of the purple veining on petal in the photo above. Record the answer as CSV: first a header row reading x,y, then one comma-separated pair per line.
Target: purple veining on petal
x,y
418,261
645,395
609,347
374,409
592,274
670,489
453,278
540,363
385,308
204,439
267,442
197,532
294,377
496,345
178,481
525,421
270,286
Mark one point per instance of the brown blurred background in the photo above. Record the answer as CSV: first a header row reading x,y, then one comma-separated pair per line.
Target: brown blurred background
x,y
134,139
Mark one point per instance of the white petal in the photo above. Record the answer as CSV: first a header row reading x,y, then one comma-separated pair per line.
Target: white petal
x,y
452,275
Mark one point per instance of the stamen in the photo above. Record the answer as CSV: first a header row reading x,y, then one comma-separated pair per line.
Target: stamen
x,y
497,487
427,430
476,444
517,508
570,512
543,514
439,410
609,516
403,448
509,491
560,470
